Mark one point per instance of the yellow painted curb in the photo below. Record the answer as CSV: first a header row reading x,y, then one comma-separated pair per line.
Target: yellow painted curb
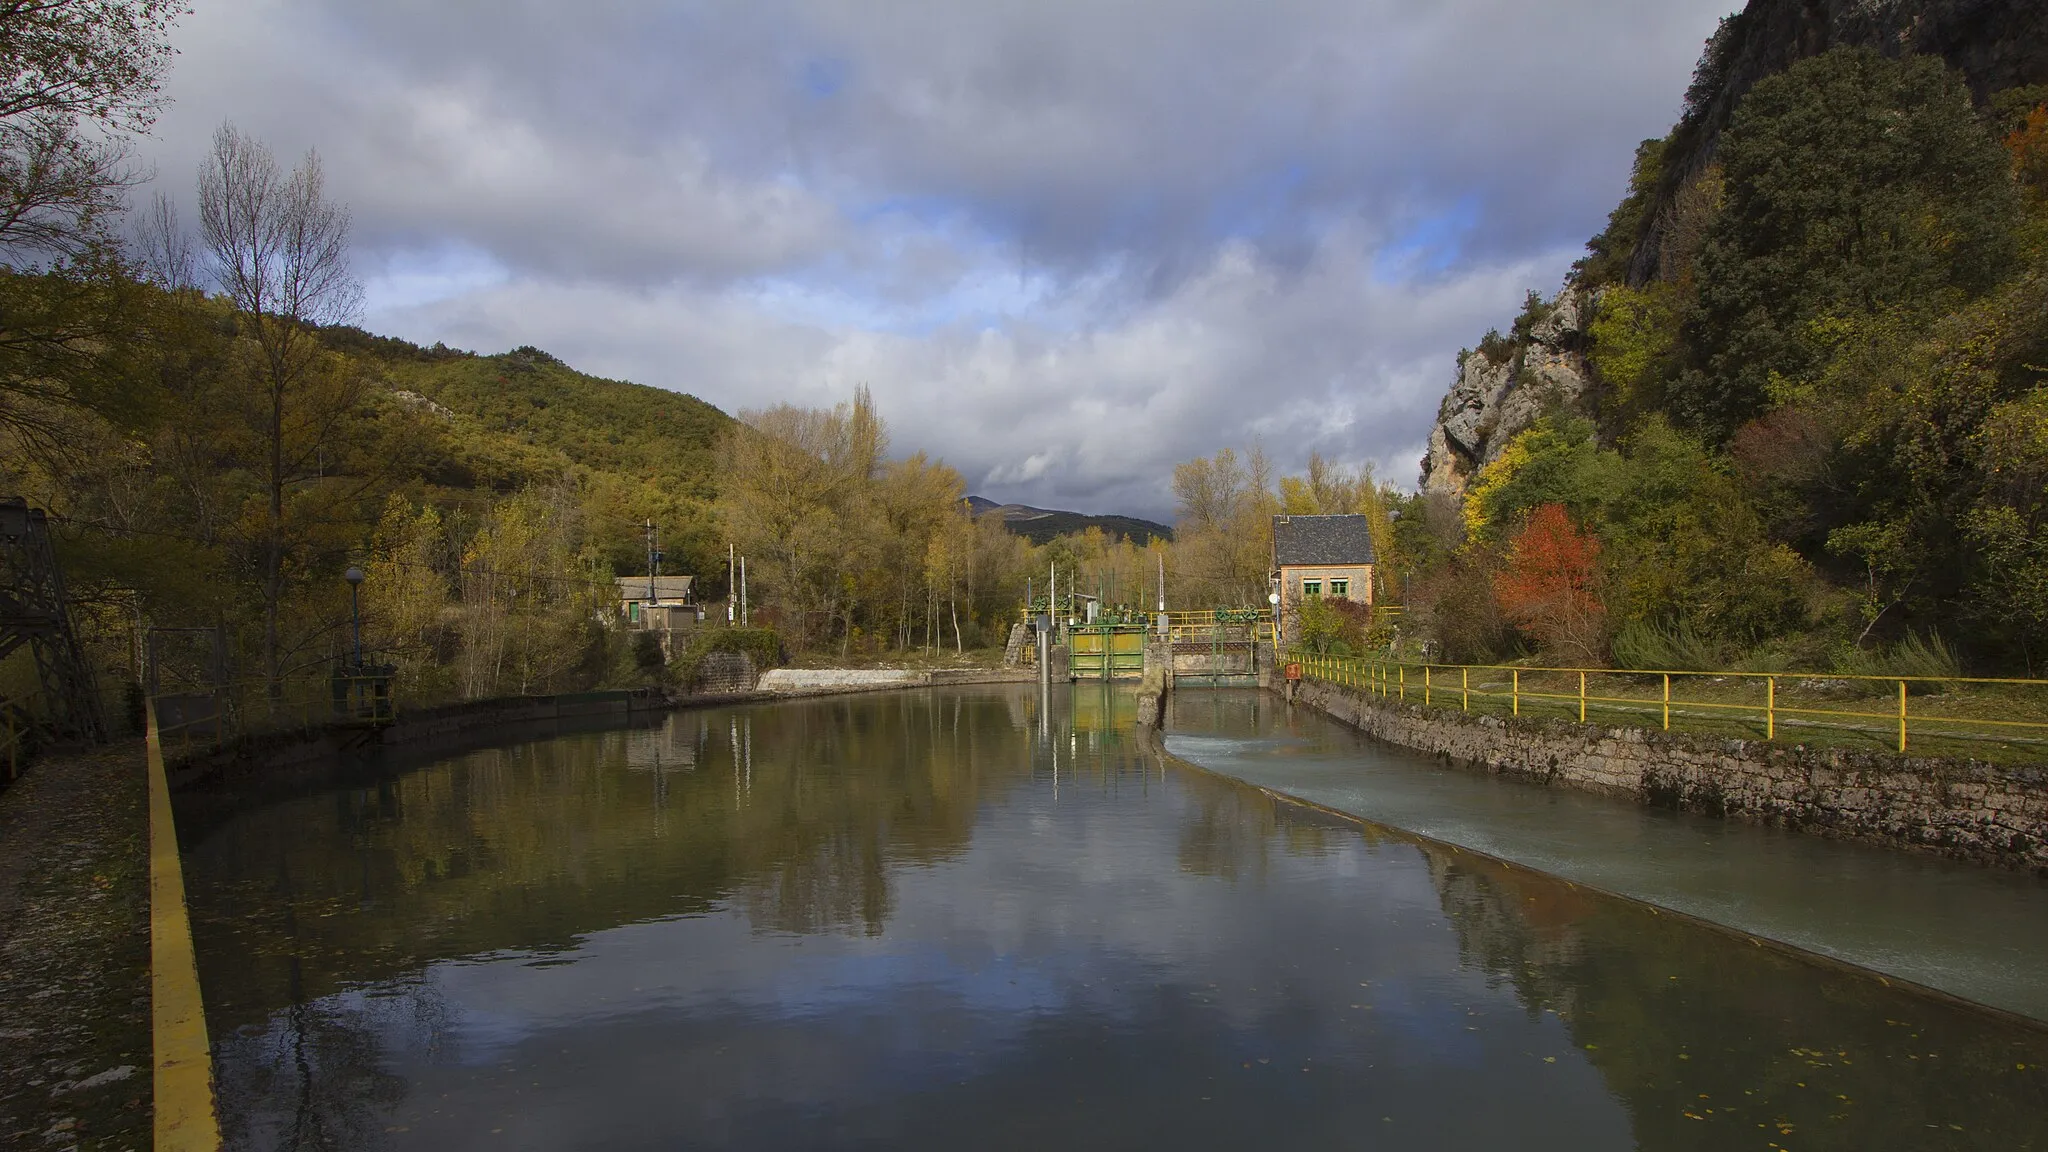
x,y
185,1118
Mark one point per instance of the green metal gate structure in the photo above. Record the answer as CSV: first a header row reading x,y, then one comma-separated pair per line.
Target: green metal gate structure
x,y
1106,652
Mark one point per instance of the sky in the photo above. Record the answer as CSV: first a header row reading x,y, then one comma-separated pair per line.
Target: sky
x,y
1066,243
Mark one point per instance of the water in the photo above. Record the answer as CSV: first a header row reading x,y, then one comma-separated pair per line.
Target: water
x,y
1970,931
955,919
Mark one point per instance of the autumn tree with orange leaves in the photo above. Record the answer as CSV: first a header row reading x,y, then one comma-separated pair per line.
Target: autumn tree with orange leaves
x,y
1550,586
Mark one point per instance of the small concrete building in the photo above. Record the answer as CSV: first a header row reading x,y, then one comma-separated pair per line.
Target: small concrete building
x,y
1320,556
667,606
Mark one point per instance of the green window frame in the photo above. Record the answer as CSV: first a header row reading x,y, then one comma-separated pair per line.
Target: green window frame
x,y
1311,587
1341,589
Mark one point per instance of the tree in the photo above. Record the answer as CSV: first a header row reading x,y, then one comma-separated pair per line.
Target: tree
x,y
278,249
1854,184
77,78
1224,532
1550,586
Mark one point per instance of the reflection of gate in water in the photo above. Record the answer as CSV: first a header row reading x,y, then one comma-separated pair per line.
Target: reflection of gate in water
x,y
1097,710
1106,652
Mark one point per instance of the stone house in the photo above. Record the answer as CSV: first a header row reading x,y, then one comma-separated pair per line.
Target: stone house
x,y
1320,556
669,604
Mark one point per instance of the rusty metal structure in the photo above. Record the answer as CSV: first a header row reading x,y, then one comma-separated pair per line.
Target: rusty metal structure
x,y
35,616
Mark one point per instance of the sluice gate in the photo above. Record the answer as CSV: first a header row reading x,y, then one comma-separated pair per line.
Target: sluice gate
x,y
1106,652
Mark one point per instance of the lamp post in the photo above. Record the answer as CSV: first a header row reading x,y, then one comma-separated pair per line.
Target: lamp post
x,y
354,576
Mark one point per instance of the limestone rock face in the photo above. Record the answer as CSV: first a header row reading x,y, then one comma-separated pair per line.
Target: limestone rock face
x,y
1490,403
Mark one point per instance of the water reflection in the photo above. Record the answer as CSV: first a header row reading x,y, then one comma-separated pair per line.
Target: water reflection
x,y
990,917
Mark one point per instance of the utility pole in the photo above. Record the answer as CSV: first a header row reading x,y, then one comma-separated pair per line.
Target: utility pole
x,y
650,564
746,618
732,584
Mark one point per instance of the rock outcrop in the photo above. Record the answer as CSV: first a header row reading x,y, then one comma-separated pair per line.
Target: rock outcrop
x,y
1495,399
1996,44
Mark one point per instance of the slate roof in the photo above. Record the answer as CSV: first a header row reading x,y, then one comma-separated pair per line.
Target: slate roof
x,y
1321,540
670,589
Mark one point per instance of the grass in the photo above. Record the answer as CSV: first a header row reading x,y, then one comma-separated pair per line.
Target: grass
x,y
2002,722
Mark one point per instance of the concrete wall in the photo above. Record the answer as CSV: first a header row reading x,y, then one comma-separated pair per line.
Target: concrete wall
x,y
1994,814
818,681
428,727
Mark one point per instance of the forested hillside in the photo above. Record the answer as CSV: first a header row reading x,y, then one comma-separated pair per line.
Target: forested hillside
x,y
491,498
1791,410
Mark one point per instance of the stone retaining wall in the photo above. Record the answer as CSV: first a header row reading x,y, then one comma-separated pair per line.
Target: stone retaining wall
x,y
1995,814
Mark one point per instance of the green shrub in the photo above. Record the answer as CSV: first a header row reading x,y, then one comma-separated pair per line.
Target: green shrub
x,y
1915,656
1640,644
1496,347
1332,627
762,644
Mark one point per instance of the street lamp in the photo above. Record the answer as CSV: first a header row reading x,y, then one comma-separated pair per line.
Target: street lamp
x,y
354,576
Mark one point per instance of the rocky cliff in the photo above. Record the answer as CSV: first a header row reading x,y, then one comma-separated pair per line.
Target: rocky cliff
x,y
1500,390
1505,385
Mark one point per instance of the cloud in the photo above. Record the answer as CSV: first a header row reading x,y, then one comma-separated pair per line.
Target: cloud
x,y
1066,243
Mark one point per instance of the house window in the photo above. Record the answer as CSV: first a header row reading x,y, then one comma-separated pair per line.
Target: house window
x,y
1311,587
1341,589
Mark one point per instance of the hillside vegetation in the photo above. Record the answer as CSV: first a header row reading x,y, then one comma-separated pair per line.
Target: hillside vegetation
x,y
1817,431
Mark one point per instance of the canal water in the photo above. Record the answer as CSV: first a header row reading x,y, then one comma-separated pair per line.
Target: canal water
x,y
1974,932
980,917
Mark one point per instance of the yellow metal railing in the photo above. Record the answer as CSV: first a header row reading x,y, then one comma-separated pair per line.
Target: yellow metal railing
x,y
1769,701
1209,618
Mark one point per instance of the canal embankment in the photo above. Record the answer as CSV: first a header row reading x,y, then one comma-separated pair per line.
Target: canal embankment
x,y
1995,814
443,728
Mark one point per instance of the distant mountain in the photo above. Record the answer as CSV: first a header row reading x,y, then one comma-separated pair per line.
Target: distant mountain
x,y
1040,525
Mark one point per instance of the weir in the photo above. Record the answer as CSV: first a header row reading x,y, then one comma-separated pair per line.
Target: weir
x,y
1976,933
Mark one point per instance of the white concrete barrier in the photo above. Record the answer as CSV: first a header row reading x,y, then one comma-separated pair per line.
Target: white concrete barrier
x,y
816,679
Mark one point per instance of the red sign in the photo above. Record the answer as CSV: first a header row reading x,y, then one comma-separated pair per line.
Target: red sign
x,y
1294,671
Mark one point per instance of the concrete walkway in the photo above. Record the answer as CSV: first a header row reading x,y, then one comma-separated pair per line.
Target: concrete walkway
x,y
74,953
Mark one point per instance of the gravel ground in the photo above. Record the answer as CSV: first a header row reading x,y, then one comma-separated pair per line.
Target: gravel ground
x,y
74,953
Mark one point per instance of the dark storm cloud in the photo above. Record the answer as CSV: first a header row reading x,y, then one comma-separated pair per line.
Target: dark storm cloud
x,y
1021,222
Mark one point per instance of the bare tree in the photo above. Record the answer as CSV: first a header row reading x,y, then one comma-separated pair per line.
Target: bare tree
x,y
77,77
163,247
278,249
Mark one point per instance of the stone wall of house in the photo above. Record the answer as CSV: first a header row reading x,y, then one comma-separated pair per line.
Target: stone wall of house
x,y
1994,814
